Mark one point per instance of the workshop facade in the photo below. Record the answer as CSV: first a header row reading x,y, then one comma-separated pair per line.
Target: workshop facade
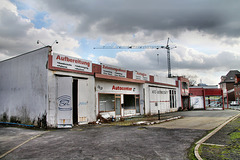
x,y
69,90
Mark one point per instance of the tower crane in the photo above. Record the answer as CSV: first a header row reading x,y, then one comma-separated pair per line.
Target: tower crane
x,y
167,47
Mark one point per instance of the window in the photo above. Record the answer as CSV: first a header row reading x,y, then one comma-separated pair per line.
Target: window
x,y
106,102
184,85
132,102
137,103
129,102
172,97
112,102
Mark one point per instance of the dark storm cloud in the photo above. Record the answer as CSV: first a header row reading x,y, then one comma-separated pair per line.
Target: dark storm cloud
x,y
217,17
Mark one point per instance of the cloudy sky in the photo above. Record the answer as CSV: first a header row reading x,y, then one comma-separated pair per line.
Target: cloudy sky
x,y
206,33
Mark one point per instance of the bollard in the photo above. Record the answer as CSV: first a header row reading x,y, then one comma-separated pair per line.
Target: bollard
x,y
158,114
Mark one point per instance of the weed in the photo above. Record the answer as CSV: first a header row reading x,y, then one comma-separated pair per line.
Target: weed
x,y
235,136
4,117
191,154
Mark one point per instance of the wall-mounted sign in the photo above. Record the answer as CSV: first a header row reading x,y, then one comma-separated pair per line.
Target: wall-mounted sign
x,y
140,76
122,88
159,92
117,87
113,71
73,63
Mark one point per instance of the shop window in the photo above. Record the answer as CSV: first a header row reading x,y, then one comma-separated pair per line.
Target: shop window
x,y
129,102
213,101
106,102
172,97
132,102
175,102
137,103
118,106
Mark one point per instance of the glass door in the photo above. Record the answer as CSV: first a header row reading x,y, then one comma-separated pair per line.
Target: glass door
x,y
118,104
137,104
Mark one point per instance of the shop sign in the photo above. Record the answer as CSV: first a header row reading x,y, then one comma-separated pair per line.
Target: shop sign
x,y
113,71
120,88
140,76
159,92
72,63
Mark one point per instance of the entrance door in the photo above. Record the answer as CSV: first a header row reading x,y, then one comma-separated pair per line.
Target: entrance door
x,y
118,104
75,101
64,102
83,96
185,101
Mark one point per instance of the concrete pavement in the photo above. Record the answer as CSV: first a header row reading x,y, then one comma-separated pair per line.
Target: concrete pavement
x,y
203,120
113,142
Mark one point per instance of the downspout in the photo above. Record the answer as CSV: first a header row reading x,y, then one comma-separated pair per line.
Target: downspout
x,y
222,99
227,99
204,104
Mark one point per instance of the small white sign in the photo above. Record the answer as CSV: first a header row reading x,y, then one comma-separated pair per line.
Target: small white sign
x,y
73,63
140,76
113,71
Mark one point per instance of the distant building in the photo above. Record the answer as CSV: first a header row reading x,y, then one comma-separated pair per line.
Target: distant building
x,y
237,88
227,85
206,97
183,91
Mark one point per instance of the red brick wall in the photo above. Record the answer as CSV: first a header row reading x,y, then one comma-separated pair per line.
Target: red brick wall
x,y
130,74
96,68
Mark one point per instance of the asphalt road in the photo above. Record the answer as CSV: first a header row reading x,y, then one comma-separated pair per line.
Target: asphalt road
x,y
109,142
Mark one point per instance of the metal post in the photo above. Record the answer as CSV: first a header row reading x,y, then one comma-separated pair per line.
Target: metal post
x,y
169,63
158,114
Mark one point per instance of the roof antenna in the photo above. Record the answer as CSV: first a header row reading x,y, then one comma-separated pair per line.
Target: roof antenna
x,y
38,42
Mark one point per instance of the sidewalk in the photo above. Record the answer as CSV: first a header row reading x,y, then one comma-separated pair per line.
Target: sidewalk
x,y
225,144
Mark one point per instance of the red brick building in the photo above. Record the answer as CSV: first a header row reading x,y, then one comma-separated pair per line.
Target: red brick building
x,y
184,92
227,85
237,88
206,97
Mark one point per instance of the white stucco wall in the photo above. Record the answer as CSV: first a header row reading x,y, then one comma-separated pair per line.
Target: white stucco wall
x,y
86,96
197,102
23,85
151,98
106,87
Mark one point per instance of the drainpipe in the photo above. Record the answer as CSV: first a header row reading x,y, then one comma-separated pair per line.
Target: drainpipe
x,y
227,99
204,104
222,99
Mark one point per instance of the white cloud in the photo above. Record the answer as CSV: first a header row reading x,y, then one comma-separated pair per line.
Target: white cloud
x,y
5,4
18,35
108,60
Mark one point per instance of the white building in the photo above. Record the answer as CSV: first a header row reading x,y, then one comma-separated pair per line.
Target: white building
x,y
67,90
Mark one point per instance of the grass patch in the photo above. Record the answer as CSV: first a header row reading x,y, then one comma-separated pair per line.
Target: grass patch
x,y
231,150
191,154
235,136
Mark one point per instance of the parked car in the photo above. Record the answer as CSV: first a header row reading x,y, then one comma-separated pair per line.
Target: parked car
x,y
234,103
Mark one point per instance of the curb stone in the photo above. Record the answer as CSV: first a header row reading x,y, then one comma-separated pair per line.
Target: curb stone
x,y
156,122
201,141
